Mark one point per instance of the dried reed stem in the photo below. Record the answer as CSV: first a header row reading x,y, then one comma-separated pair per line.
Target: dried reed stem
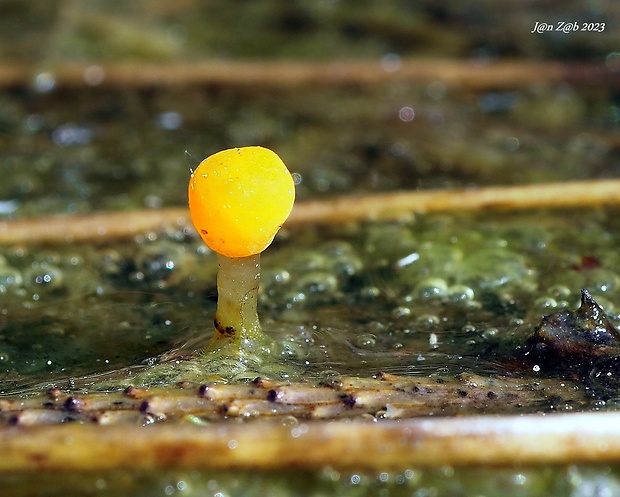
x,y
474,75
495,198
384,445
393,205
386,397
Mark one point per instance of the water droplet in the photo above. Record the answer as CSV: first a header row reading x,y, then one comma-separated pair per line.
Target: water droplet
x,y
44,275
430,288
490,333
559,291
44,82
169,120
94,75
512,144
545,303
33,123
460,293
71,134
391,62
10,277
436,90
366,341
497,102
153,201
406,114
293,299
428,320
318,282
401,311
612,61
370,292
468,328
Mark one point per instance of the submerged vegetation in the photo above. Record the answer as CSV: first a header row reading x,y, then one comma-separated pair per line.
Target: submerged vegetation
x,y
435,292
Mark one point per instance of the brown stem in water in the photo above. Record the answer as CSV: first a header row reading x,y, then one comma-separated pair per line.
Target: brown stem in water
x,y
105,226
380,446
470,75
387,397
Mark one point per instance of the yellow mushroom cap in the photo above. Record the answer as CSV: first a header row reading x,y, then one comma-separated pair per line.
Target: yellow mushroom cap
x,y
239,198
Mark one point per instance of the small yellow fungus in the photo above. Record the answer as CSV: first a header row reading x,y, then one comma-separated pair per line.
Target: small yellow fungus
x,y
238,199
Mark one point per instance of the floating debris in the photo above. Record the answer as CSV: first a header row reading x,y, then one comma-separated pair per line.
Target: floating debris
x,y
582,343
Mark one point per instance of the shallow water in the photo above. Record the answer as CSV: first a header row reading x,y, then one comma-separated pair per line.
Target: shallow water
x,y
439,293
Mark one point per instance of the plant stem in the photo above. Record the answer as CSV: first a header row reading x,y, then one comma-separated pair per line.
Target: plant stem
x,y
282,74
591,437
236,320
239,348
105,226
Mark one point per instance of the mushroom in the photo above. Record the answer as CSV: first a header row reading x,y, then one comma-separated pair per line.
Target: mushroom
x,y
238,200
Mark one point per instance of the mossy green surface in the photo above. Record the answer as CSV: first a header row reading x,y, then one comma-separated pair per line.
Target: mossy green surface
x,y
461,292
